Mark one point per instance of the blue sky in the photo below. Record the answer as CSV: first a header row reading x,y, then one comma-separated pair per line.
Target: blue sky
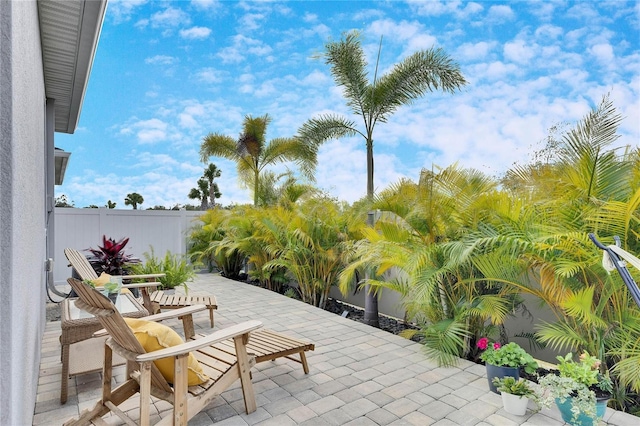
x,y
167,73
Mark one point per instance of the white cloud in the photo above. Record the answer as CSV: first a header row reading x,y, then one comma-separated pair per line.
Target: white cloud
x,y
205,4
209,75
500,13
410,33
241,46
251,22
147,131
497,70
195,33
435,7
402,30
310,17
603,53
121,10
549,32
473,51
314,78
518,51
170,17
161,59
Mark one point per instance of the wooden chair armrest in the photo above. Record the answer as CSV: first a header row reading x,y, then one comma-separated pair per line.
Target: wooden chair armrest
x,y
100,333
142,285
175,313
142,276
215,337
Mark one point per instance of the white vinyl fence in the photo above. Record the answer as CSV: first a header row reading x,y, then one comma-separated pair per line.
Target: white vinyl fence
x,y
83,228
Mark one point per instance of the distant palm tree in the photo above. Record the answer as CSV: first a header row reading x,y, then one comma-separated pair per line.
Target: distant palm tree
x,y
422,72
253,153
110,205
212,172
201,193
133,200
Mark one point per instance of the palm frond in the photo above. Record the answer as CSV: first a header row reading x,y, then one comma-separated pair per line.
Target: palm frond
x,y
444,341
422,72
349,69
218,145
326,127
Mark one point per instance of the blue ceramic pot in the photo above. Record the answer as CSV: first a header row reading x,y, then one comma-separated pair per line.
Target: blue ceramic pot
x,y
582,419
500,372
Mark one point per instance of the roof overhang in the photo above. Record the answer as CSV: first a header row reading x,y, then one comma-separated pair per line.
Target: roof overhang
x,y
61,158
69,32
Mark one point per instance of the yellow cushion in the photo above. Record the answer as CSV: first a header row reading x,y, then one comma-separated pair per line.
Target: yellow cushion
x,y
154,336
102,280
105,278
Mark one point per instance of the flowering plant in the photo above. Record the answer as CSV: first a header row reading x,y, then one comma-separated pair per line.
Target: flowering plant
x,y
509,355
580,381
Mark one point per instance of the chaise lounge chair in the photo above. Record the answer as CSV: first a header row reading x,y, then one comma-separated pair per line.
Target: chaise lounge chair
x,y
154,301
221,366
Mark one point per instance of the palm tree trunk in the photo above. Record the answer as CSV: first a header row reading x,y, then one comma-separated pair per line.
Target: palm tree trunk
x,y
255,188
370,298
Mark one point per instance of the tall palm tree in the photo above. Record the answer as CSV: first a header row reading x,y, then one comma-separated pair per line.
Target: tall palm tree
x,y
422,72
253,153
212,172
133,199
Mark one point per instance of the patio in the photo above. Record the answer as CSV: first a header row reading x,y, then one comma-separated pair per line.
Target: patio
x,y
359,375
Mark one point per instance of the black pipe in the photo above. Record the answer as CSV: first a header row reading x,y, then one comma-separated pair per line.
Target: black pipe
x,y
620,267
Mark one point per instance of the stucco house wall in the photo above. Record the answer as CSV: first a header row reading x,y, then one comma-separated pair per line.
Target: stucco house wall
x,y
22,220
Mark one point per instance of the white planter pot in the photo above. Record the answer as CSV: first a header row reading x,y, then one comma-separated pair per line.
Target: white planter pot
x,y
514,404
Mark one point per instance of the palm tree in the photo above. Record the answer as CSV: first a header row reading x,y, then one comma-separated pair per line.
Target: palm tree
x,y
133,199
201,193
212,172
253,153
422,72
110,205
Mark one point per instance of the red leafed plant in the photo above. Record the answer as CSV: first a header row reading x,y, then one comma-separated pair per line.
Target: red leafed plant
x,y
110,257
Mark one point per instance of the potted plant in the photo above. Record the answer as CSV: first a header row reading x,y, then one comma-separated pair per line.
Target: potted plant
x,y
580,390
176,269
110,257
515,394
505,360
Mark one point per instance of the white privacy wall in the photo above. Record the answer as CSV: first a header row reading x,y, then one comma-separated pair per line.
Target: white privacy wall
x,y
83,228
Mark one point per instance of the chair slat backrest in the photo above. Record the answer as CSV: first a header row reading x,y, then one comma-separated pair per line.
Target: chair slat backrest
x,y
80,263
110,318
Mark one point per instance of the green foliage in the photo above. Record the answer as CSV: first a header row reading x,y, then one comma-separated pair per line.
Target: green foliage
x,y
63,201
509,355
292,293
178,271
585,372
510,385
207,242
464,248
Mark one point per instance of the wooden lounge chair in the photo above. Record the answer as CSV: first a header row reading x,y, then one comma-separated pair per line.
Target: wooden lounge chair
x,y
155,300
223,367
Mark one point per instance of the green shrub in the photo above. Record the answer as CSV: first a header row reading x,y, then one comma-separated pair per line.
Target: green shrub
x,y
178,271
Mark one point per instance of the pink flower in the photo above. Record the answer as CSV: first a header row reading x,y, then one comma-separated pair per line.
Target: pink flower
x,y
496,345
483,343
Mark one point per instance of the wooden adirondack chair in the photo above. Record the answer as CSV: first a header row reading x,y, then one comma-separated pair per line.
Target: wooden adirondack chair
x,y
154,300
223,366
